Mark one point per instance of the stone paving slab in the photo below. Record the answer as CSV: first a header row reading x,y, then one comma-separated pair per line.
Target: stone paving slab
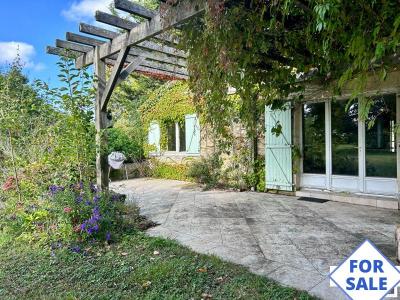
x,y
291,241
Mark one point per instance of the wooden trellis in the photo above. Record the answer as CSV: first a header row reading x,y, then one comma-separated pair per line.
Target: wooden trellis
x,y
144,47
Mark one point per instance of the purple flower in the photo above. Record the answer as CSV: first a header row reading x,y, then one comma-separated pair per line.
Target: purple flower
x,y
88,203
76,249
79,199
91,225
96,198
114,197
108,236
54,189
96,211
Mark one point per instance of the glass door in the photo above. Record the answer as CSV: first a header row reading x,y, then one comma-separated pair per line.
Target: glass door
x,y
344,138
381,146
314,174
343,153
344,146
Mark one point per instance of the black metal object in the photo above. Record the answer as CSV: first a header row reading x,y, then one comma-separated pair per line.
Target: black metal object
x,y
314,200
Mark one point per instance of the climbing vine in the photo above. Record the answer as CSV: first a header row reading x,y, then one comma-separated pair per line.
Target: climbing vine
x,y
270,50
167,104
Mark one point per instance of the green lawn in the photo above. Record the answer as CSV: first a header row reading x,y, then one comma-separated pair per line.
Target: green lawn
x,y
129,270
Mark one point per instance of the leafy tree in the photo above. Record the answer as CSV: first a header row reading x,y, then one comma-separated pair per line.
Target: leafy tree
x,y
71,152
22,114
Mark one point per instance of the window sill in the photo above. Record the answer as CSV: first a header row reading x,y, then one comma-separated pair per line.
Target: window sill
x,y
173,154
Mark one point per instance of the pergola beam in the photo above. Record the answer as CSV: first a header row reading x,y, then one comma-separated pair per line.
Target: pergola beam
x,y
155,65
62,52
115,21
129,69
165,67
81,39
97,31
111,83
144,62
125,24
135,51
145,69
176,15
73,46
108,34
135,9
165,73
158,56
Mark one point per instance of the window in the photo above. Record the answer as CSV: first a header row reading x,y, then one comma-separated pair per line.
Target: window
x,y
171,137
380,139
176,137
182,137
344,138
314,138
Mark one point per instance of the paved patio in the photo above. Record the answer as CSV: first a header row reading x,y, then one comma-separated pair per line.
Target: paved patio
x,y
291,241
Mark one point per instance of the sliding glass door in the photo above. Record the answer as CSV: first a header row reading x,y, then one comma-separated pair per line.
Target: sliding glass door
x,y
380,138
314,138
343,153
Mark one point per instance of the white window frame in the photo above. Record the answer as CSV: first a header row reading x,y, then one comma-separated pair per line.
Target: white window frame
x,y
177,141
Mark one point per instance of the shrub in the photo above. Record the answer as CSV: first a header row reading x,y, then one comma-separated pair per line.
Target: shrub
x,y
119,141
207,170
256,177
169,171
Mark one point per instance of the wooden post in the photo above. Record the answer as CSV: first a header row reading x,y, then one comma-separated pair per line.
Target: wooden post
x,y
101,124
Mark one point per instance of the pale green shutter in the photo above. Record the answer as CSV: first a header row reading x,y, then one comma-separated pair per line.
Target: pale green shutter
x,y
192,134
278,150
154,135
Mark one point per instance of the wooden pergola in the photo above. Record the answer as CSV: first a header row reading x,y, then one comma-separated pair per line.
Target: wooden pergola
x,y
145,47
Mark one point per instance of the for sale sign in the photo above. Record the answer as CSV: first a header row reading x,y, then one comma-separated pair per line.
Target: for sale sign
x,y
366,274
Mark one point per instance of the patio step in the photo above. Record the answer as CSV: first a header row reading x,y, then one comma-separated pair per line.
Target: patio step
x,y
360,199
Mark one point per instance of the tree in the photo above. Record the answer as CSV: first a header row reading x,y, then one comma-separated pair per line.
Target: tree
x,y
19,114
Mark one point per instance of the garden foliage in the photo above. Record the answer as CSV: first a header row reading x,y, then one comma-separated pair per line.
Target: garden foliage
x,y
271,50
167,104
47,145
64,215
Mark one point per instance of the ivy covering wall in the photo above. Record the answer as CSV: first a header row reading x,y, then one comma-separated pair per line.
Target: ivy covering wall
x,y
167,104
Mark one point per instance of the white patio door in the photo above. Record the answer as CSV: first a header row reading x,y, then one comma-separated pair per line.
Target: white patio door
x,y
343,153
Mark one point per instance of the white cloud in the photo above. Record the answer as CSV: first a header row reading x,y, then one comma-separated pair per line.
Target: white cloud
x,y
83,10
10,50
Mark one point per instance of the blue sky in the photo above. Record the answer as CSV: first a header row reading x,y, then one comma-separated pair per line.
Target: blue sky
x,y
31,25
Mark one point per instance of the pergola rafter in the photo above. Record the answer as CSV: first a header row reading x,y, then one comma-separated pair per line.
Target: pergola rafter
x,y
148,45
144,47
134,51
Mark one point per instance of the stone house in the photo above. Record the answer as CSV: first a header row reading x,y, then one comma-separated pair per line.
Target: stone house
x,y
341,157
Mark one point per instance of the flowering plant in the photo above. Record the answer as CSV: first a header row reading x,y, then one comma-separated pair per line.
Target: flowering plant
x,y
86,213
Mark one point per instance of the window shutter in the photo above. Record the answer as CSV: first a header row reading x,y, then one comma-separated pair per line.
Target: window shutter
x,y
154,135
192,134
278,150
